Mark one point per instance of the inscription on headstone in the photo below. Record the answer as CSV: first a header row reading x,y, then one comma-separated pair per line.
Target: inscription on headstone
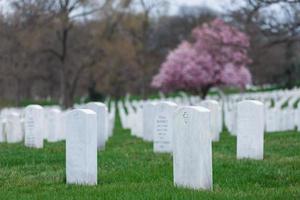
x,y
163,131
34,123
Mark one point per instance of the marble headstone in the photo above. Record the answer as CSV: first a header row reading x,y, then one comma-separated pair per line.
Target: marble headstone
x,y
192,156
81,147
54,122
163,127
148,121
250,130
34,126
13,128
102,125
213,107
2,132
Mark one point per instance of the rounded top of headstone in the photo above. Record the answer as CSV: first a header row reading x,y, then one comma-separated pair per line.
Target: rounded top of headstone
x,y
12,114
81,111
251,102
169,103
96,103
210,102
193,108
54,110
34,106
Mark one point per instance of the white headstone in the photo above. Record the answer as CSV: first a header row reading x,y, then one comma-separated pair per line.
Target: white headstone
x,y
214,108
63,125
297,119
139,122
250,130
34,126
54,121
192,156
111,124
13,128
148,121
2,132
123,115
81,147
163,128
102,125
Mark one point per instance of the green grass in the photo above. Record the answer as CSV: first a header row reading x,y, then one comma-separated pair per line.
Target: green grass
x,y
128,169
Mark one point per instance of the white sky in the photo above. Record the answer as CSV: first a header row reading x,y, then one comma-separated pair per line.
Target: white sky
x,y
214,4
218,5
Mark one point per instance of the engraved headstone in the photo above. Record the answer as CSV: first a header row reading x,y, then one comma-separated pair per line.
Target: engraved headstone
x,y
102,125
81,147
250,130
214,108
163,128
192,156
34,126
13,128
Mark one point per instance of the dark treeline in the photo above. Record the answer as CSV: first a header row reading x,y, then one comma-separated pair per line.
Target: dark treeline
x,y
65,49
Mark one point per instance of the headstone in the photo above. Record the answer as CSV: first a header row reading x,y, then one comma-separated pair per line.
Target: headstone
x,y
111,117
148,121
34,126
139,122
63,125
81,147
220,118
102,125
123,116
250,130
54,122
131,118
192,156
2,133
13,128
137,128
213,107
163,128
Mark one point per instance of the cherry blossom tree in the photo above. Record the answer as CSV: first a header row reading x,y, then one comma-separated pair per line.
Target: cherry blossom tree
x,y
217,56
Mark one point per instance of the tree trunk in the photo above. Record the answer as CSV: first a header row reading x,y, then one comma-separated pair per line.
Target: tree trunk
x,y
63,95
204,91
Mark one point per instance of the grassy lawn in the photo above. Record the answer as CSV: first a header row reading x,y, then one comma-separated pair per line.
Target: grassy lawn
x,y
128,169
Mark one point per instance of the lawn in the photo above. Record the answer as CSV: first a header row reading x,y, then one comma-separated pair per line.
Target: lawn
x,y
128,169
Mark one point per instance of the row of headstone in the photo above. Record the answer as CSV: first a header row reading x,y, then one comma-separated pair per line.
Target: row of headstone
x,y
185,131
150,120
281,112
188,132
85,131
281,108
35,123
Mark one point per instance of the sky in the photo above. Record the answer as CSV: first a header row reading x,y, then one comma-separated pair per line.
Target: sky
x,y
214,4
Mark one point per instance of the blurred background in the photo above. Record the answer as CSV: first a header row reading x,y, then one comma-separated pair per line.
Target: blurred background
x,y
64,51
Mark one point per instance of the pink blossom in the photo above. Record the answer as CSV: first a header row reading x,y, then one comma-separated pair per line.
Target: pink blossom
x,y
218,56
